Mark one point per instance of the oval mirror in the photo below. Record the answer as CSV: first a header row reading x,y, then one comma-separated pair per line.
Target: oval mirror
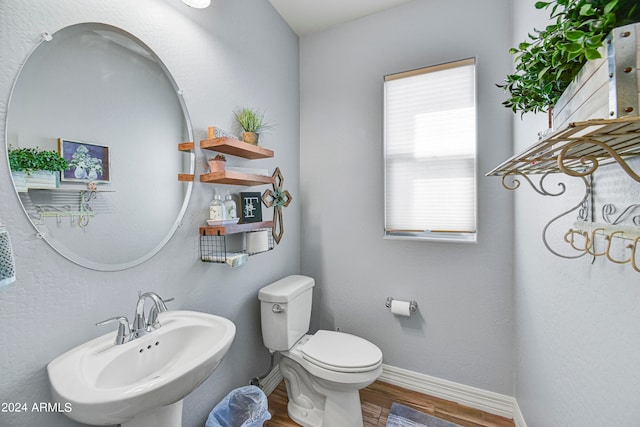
x,y
103,100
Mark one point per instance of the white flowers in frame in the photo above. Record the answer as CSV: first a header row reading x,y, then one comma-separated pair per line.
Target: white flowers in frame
x,y
87,162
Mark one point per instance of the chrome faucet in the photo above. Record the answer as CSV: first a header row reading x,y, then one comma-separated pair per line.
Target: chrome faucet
x,y
141,325
124,331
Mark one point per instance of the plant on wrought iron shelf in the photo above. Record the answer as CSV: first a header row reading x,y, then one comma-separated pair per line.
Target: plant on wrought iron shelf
x,y
33,159
551,58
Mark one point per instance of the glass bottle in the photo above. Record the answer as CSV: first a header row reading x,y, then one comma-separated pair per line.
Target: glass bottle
x,y
216,208
230,206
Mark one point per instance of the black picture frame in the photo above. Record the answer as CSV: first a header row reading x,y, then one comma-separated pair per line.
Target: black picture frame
x,y
250,207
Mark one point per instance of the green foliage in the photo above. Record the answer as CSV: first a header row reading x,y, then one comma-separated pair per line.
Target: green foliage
x,y
251,121
279,197
220,157
33,159
551,58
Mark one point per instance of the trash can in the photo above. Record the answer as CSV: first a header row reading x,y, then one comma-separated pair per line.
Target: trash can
x,y
243,407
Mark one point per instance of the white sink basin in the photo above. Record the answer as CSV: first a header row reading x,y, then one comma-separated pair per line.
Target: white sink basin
x,y
110,384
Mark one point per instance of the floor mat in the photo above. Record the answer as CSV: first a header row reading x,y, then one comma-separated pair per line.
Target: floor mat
x,y
403,416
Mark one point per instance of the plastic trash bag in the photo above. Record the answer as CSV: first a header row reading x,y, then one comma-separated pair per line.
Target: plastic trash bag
x,y
243,407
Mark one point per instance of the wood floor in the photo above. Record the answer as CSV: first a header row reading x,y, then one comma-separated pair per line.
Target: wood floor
x,y
377,399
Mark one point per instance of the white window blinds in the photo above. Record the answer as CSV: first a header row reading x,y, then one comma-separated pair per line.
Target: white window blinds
x,y
430,152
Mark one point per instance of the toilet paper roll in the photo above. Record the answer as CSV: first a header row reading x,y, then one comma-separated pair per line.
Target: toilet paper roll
x,y
401,308
257,241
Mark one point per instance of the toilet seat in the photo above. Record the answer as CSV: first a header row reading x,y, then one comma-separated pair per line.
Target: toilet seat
x,y
341,352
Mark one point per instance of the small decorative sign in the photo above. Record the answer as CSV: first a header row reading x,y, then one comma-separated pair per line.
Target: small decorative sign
x,y
250,207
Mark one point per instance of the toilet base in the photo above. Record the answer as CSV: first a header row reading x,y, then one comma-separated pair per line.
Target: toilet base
x,y
315,402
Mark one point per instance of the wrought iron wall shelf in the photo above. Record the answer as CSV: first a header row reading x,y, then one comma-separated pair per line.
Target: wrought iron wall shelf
x,y
214,244
578,150
62,208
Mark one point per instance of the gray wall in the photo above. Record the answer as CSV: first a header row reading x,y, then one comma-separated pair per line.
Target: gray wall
x,y
577,341
576,353
235,53
463,331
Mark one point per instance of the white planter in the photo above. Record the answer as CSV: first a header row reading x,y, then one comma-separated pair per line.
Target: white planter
x,y
605,88
36,180
19,181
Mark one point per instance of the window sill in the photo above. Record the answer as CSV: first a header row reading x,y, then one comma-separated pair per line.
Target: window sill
x,y
432,236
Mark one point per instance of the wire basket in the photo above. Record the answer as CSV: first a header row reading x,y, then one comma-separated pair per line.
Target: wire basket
x,y
214,248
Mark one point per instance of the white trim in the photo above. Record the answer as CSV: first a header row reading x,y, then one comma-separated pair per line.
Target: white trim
x,y
518,418
487,401
271,381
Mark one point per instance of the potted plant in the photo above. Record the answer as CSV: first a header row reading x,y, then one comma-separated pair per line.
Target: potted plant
x,y
36,168
217,163
252,124
550,59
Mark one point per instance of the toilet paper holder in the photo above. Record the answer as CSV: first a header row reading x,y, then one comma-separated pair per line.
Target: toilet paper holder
x,y
413,304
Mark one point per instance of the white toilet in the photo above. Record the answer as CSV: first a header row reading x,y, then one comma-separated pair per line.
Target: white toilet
x,y
324,371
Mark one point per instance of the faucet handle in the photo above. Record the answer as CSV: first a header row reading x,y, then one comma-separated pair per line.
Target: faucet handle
x,y
164,302
124,330
160,303
156,309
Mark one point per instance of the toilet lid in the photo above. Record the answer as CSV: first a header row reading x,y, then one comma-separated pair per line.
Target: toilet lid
x,y
341,352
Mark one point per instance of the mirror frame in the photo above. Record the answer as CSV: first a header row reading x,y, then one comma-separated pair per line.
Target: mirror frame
x,y
46,37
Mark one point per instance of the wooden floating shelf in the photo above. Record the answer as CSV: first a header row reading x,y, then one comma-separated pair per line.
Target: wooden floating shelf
x,y
221,230
235,147
186,146
236,178
574,149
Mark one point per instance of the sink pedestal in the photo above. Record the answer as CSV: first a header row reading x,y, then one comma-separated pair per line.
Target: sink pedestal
x,y
163,416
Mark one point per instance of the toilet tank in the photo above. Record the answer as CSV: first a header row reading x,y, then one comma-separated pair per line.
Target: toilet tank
x,y
285,311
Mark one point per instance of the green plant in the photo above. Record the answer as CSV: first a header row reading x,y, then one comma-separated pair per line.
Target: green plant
x,y
251,121
220,157
551,58
279,197
32,159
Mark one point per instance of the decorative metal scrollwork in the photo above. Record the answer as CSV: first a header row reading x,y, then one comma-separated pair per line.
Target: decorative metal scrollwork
x,y
610,209
593,162
80,216
577,151
582,209
540,189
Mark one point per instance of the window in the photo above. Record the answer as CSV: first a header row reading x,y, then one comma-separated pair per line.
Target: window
x,y
430,153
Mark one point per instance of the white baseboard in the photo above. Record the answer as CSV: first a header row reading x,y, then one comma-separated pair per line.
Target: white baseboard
x,y
487,401
271,381
518,418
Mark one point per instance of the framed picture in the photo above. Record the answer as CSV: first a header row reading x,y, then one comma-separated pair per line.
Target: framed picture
x,y
250,207
87,162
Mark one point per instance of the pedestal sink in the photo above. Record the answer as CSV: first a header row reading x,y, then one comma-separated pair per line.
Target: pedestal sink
x,y
142,382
